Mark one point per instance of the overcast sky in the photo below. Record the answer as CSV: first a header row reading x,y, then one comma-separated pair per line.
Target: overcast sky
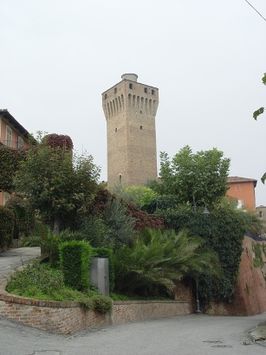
x,y
206,57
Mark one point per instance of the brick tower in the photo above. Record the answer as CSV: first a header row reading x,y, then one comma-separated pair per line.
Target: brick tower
x,y
130,108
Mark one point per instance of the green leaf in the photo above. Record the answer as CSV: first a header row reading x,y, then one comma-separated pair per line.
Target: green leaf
x,y
258,112
263,178
264,79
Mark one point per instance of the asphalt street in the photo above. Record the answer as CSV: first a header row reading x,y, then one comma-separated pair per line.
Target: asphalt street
x,y
184,335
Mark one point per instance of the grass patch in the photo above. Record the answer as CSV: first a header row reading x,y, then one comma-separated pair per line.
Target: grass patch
x,y
42,282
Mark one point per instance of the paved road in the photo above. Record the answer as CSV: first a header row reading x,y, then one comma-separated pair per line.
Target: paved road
x,y
14,258
186,335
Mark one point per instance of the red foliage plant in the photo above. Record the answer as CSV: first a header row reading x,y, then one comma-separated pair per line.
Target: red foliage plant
x,y
58,141
142,219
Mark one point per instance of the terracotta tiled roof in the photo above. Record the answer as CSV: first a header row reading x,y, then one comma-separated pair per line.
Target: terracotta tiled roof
x,y
238,179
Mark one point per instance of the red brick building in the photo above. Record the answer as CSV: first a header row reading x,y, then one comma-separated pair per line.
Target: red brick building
x,y
243,191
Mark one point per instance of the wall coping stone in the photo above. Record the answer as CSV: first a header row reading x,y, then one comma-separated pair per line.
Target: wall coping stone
x,y
11,298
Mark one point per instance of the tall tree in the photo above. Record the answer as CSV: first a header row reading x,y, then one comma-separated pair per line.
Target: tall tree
x,y
57,184
199,179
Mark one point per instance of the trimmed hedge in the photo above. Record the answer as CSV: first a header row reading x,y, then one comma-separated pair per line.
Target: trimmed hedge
x,y
7,221
75,259
107,253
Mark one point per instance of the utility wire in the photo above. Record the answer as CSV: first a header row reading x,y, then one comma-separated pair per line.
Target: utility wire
x,y
255,10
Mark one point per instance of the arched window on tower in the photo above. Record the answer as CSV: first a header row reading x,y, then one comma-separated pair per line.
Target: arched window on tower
x,y
119,102
150,105
129,100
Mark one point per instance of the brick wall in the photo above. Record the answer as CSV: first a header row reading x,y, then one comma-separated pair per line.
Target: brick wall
x,y
69,317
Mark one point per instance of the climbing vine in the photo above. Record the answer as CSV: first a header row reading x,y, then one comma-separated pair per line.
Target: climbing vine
x,y
223,230
9,162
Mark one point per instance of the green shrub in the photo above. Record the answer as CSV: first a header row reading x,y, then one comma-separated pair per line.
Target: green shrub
x,y
120,223
101,304
68,235
41,281
107,253
24,216
36,278
7,221
157,259
95,231
50,248
223,230
31,241
75,261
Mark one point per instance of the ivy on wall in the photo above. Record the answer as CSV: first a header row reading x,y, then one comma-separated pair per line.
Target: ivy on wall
x,y
9,162
223,230
58,141
258,250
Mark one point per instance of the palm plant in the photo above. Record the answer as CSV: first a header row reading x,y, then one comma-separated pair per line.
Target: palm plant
x,y
157,259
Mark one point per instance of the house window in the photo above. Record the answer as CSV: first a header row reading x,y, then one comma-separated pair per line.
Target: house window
x,y
140,127
115,90
8,136
152,92
260,214
131,86
145,90
115,129
20,142
105,96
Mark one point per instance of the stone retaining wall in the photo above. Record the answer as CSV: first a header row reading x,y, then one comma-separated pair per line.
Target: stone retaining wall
x,y
70,317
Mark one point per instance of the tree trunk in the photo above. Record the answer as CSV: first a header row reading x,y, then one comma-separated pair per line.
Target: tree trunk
x,y
56,228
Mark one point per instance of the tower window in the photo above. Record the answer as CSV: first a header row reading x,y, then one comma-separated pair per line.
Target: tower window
x,y
152,92
140,127
131,86
145,90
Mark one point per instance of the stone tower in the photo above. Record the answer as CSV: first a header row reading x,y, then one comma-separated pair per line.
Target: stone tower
x,y
130,108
